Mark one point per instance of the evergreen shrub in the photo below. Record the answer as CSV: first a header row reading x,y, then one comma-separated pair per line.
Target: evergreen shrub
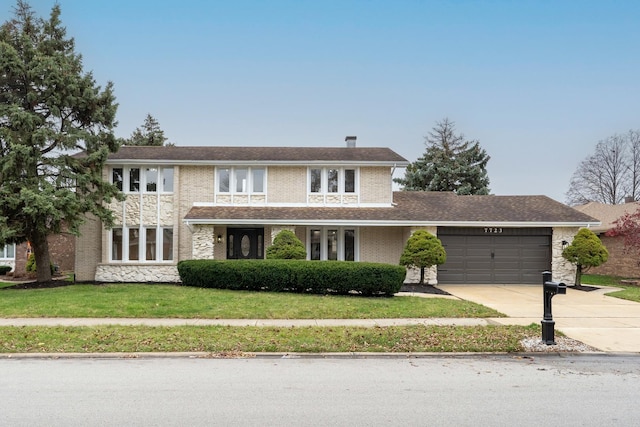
x,y
317,277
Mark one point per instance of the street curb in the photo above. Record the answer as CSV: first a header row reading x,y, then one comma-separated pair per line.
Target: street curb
x,y
348,355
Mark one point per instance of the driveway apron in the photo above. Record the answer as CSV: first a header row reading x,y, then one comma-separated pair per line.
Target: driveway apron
x,y
607,323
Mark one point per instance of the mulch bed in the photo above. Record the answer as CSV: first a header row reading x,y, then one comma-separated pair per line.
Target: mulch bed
x,y
584,288
36,285
423,289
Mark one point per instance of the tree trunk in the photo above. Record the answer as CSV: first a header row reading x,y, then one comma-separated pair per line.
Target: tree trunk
x,y
41,253
422,276
578,275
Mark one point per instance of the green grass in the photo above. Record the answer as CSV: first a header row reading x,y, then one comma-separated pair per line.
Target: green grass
x,y
628,292
170,301
230,341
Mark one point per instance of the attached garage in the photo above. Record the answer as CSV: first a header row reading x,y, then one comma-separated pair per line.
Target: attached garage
x,y
484,255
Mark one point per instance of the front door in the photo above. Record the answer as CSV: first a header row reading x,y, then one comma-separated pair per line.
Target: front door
x,y
245,243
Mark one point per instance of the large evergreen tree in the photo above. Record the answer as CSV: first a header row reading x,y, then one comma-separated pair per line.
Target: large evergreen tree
x,y
56,131
450,163
150,134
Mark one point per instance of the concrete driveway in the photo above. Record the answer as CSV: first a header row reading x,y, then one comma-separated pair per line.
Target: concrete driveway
x,y
607,323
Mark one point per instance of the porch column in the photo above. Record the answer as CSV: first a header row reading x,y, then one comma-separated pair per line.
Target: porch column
x,y
203,240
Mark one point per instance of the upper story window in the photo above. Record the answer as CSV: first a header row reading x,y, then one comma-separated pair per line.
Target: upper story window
x,y
332,180
147,179
242,180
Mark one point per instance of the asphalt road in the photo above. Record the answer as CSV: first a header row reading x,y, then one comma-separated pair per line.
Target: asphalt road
x,y
440,391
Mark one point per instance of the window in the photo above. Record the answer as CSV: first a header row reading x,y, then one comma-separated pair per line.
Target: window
x,y
241,180
167,180
314,238
151,179
240,177
134,180
156,242
332,180
134,244
332,244
116,244
223,180
258,180
8,251
117,178
148,179
316,180
167,244
150,244
349,180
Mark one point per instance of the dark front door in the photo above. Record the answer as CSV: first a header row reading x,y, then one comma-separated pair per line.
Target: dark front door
x,y
245,243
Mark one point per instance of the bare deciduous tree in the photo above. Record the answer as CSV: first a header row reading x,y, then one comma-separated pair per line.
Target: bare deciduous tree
x,y
610,174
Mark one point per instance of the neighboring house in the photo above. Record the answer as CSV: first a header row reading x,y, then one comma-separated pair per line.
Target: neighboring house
x,y
8,255
230,202
61,254
620,262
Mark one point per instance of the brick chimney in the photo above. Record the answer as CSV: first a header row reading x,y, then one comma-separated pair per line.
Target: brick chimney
x,y
351,141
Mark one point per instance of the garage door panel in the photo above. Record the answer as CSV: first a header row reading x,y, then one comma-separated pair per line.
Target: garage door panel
x,y
516,258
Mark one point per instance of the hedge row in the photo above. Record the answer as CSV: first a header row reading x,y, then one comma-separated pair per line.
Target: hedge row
x,y
4,269
318,277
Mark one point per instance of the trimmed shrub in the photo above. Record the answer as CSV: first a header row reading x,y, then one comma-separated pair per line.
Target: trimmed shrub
x,y
4,269
317,277
286,245
31,266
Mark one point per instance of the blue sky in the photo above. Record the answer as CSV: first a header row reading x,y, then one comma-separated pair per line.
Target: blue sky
x,y
538,83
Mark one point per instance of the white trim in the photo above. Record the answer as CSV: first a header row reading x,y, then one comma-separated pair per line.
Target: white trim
x,y
398,223
255,163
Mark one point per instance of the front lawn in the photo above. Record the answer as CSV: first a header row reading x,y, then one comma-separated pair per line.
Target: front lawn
x,y
230,341
628,292
172,301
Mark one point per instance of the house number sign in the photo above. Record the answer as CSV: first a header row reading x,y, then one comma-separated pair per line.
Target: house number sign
x,y
493,230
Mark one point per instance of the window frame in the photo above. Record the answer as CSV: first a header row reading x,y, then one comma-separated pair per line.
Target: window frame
x,y
4,253
326,178
249,176
159,254
127,181
322,233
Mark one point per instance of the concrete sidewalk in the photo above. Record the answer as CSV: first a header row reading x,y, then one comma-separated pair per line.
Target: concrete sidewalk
x,y
607,323
59,321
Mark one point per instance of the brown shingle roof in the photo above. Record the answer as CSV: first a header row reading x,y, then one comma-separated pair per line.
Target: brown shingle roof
x,y
258,154
412,207
607,214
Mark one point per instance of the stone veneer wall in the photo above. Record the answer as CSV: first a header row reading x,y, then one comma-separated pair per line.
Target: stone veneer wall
x,y
203,241
138,273
563,270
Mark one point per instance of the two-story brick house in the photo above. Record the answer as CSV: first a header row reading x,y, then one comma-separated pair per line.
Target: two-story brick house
x,y
230,202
